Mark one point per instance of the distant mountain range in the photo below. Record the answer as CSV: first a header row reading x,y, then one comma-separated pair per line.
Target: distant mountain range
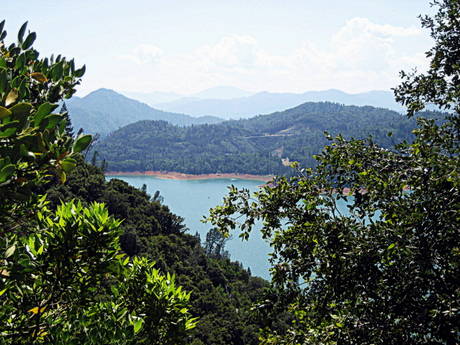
x,y
267,102
222,92
218,92
259,145
104,111
152,98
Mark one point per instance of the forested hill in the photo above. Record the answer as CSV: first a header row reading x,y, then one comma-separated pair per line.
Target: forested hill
x,y
104,111
257,145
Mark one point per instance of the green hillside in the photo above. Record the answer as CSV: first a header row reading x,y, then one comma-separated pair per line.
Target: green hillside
x,y
258,145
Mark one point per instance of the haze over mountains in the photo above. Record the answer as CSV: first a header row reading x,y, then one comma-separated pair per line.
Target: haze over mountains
x,y
103,111
218,92
234,103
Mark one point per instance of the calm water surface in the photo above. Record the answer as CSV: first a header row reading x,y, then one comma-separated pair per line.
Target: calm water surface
x,y
192,200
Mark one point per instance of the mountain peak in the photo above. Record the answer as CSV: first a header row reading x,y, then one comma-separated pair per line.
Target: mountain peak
x,y
102,91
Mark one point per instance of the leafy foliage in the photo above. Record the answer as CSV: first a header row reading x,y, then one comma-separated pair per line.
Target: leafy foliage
x,y
62,272
33,142
440,85
68,276
386,270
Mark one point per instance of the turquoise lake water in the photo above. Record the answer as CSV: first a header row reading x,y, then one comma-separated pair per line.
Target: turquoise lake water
x,y
192,200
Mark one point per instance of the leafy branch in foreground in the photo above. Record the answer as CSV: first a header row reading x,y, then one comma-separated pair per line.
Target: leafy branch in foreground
x,y
366,245
63,277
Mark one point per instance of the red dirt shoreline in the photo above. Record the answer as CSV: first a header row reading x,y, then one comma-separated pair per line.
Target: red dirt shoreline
x,y
172,175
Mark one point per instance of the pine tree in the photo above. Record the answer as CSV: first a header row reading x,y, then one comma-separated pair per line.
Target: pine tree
x,y
65,113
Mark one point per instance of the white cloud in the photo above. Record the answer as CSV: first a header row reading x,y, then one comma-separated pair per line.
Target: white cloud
x,y
231,51
360,26
360,56
144,54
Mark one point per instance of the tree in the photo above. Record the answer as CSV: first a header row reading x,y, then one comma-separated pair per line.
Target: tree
x,y
62,272
365,245
65,113
214,245
440,85
33,144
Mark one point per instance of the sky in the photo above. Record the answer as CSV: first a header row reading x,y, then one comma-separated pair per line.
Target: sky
x,y
257,45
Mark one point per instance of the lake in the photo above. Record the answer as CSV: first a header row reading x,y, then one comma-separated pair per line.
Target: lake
x,y
192,199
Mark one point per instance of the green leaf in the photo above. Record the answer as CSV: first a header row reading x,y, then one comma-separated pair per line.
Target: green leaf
x,y
81,143
3,78
62,175
20,62
21,110
4,112
57,71
40,250
23,89
31,245
52,120
8,132
10,251
138,325
21,32
10,124
72,66
68,164
29,40
6,172
80,72
2,25
23,150
43,110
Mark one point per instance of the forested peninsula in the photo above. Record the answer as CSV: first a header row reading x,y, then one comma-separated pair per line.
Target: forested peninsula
x,y
263,145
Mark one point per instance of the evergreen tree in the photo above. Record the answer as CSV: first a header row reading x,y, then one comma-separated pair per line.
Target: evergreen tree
x,y
65,113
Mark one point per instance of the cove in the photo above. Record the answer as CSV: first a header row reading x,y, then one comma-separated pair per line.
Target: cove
x,y
192,199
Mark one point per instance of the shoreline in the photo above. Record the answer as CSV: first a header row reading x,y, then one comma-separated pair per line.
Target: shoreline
x,y
171,175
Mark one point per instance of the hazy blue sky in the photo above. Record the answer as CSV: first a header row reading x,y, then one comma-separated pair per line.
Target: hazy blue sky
x,y
189,45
